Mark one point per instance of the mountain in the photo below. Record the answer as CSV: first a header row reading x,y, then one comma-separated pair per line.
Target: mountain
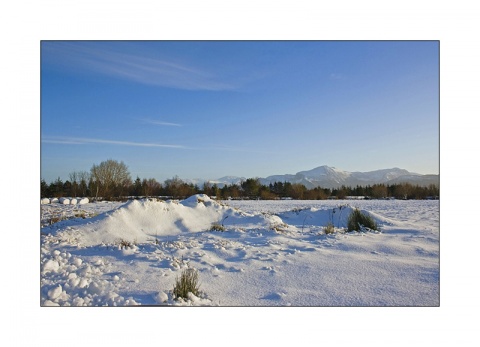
x,y
228,180
220,182
330,177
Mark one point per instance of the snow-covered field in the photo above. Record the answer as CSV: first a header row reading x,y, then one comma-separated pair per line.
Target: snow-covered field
x,y
272,253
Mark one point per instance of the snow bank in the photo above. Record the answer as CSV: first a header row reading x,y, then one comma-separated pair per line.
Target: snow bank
x,y
144,220
338,216
140,221
194,200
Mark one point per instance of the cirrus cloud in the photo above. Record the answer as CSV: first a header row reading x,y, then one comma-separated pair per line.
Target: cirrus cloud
x,y
109,59
83,141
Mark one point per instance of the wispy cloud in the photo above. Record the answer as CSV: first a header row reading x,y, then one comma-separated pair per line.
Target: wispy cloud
x,y
62,141
83,141
107,58
87,141
159,122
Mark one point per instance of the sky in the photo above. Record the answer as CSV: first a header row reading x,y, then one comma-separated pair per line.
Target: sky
x,y
208,109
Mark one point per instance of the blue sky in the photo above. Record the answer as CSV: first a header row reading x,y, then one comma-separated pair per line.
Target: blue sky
x,y
207,109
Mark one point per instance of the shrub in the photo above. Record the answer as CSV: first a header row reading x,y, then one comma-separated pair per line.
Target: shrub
x,y
329,229
124,244
217,227
55,219
80,214
359,221
187,283
279,228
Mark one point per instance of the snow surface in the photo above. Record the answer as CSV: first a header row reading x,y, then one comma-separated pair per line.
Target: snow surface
x,y
272,253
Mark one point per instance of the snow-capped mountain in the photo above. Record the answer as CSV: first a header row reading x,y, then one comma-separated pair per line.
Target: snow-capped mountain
x,y
228,180
220,182
330,177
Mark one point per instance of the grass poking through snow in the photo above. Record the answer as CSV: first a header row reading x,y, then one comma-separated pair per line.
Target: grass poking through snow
x,y
358,221
187,283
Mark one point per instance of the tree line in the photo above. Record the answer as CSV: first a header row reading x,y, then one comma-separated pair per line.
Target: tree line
x,y
111,180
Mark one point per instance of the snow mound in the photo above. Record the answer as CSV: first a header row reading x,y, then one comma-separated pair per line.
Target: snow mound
x,y
194,200
338,216
140,221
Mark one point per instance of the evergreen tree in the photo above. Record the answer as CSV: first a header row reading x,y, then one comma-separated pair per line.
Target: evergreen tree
x,y
137,187
56,188
67,188
44,189
251,188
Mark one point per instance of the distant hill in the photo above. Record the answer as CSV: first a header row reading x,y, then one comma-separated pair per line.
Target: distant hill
x,y
331,177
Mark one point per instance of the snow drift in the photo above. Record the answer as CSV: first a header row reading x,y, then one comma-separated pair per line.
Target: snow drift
x,y
314,217
144,220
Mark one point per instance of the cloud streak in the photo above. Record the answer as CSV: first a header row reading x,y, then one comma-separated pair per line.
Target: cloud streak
x,y
107,59
161,123
88,141
83,141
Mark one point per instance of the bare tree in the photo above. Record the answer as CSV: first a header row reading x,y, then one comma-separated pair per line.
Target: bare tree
x,y
151,187
110,176
172,186
379,191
